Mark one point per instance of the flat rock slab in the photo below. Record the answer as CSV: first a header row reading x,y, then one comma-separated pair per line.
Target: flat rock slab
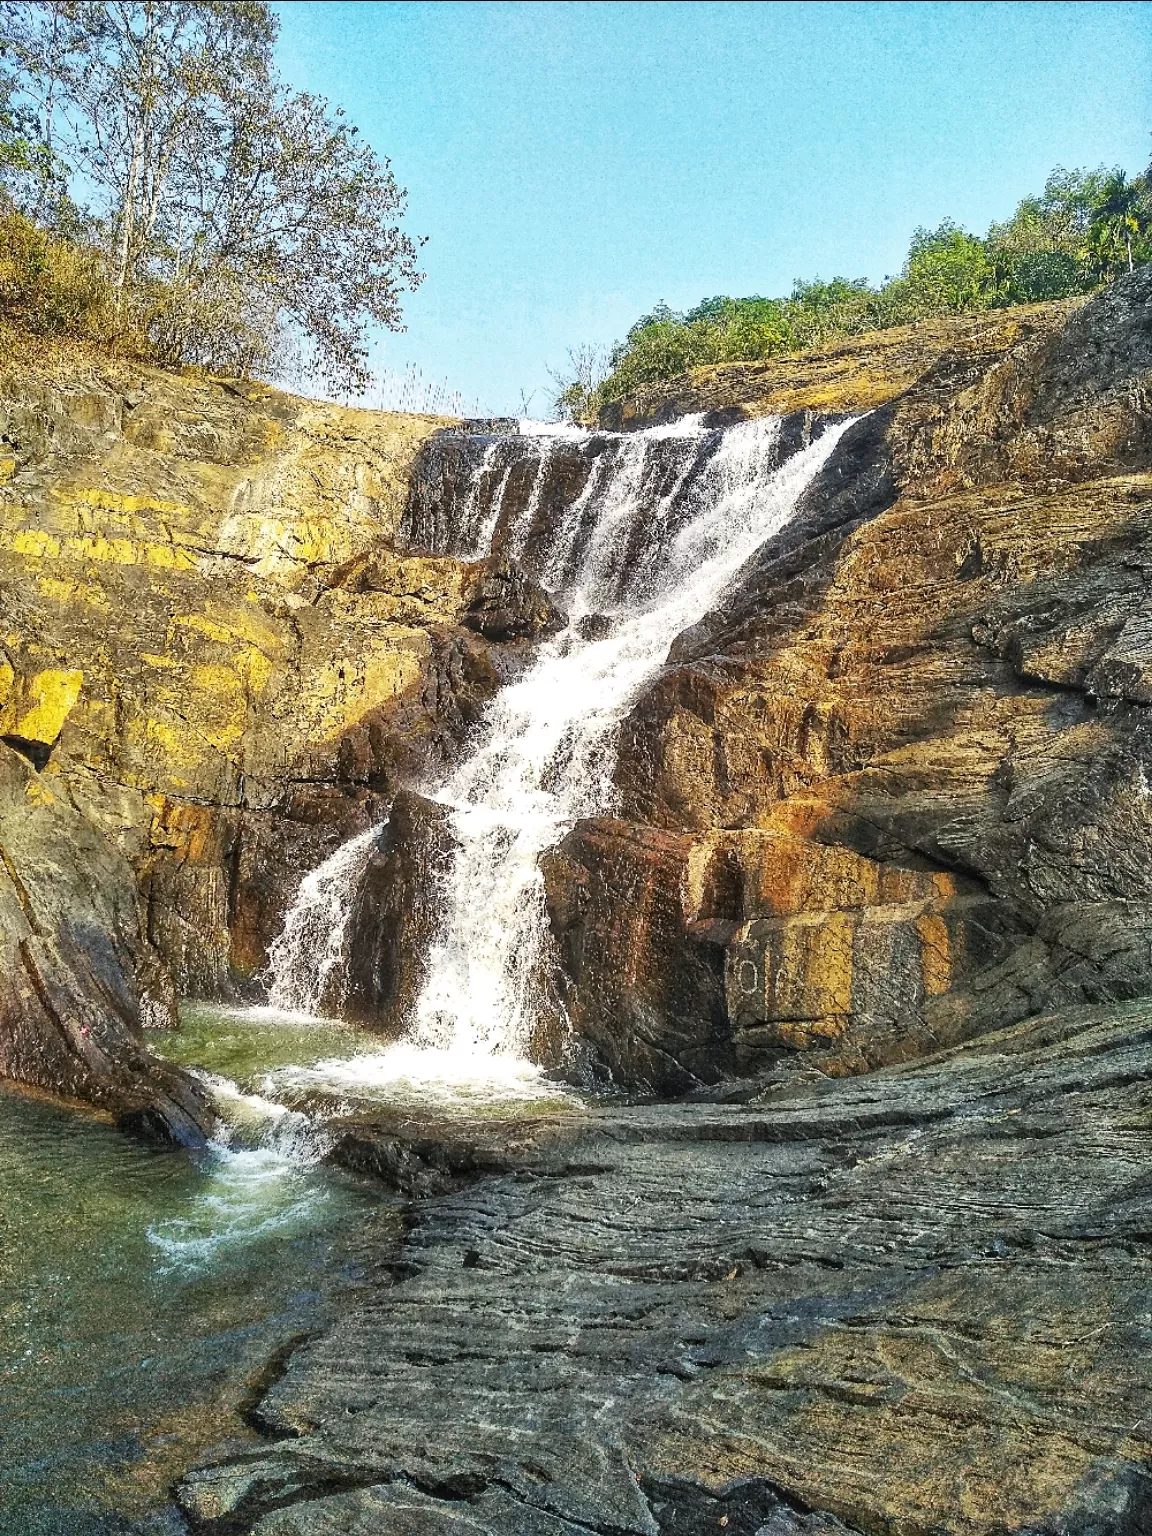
x,y
917,1304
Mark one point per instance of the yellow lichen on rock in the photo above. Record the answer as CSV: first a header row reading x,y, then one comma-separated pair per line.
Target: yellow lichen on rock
x,y
184,543
36,706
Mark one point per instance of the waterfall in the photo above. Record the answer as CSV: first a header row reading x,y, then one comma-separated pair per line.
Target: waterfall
x,y
662,522
306,962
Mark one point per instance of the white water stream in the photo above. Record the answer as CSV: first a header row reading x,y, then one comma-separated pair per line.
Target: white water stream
x,y
665,520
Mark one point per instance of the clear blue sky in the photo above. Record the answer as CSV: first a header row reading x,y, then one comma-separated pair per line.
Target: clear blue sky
x,y
572,164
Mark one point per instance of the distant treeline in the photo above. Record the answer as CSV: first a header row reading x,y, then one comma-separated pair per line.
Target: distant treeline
x,y
164,193
1084,229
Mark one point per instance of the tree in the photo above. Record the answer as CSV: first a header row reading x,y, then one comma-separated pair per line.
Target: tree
x,y
575,386
1041,252
947,271
1119,222
1085,227
228,207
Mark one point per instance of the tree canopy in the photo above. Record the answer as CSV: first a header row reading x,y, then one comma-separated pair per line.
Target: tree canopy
x,y
221,211
1085,228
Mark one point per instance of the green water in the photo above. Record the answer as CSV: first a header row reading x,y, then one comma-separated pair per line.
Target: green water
x,y
325,1068
142,1293
246,1044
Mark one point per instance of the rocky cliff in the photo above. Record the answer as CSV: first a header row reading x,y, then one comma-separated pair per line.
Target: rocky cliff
x,y
855,375
889,797
892,797
895,793
216,664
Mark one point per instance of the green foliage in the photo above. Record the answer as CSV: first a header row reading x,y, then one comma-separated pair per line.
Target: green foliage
x,y
226,211
1042,251
947,272
1086,227
1118,235
51,286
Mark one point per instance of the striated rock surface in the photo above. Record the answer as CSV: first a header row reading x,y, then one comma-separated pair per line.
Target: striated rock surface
x,y
895,793
909,1303
213,651
79,984
854,375
874,897
210,636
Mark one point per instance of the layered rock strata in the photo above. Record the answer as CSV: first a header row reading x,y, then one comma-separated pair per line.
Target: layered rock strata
x,y
909,1304
79,984
894,793
215,656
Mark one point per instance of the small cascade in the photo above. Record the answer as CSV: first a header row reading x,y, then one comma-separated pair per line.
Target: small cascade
x,y
306,962
639,534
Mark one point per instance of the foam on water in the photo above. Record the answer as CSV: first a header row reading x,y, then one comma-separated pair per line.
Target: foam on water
x,y
410,1073
256,1181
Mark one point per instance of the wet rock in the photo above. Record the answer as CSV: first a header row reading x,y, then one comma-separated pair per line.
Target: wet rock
x,y
594,626
431,1152
506,604
397,912
508,495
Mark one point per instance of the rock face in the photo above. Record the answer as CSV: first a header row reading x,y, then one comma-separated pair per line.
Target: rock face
x,y
216,656
211,638
78,982
895,793
914,1303
877,891
394,919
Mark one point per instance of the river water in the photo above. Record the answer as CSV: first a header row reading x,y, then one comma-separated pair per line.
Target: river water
x,y
143,1291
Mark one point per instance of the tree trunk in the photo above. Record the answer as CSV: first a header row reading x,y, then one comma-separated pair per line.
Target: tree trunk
x,y
127,221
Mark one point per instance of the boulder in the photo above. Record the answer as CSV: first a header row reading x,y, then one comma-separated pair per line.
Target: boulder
x,y
395,919
506,604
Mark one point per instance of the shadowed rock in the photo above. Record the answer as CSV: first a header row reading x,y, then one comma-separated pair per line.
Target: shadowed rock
x,y
397,911
506,604
78,982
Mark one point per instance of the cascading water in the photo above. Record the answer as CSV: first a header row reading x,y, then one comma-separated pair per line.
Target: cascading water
x,y
663,521
307,960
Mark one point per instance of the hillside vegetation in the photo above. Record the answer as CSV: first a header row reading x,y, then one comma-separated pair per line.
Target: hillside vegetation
x,y
1084,229
163,193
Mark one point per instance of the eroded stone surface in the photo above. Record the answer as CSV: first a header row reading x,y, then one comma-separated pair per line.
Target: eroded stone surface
x,y
79,984
893,793
912,1302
